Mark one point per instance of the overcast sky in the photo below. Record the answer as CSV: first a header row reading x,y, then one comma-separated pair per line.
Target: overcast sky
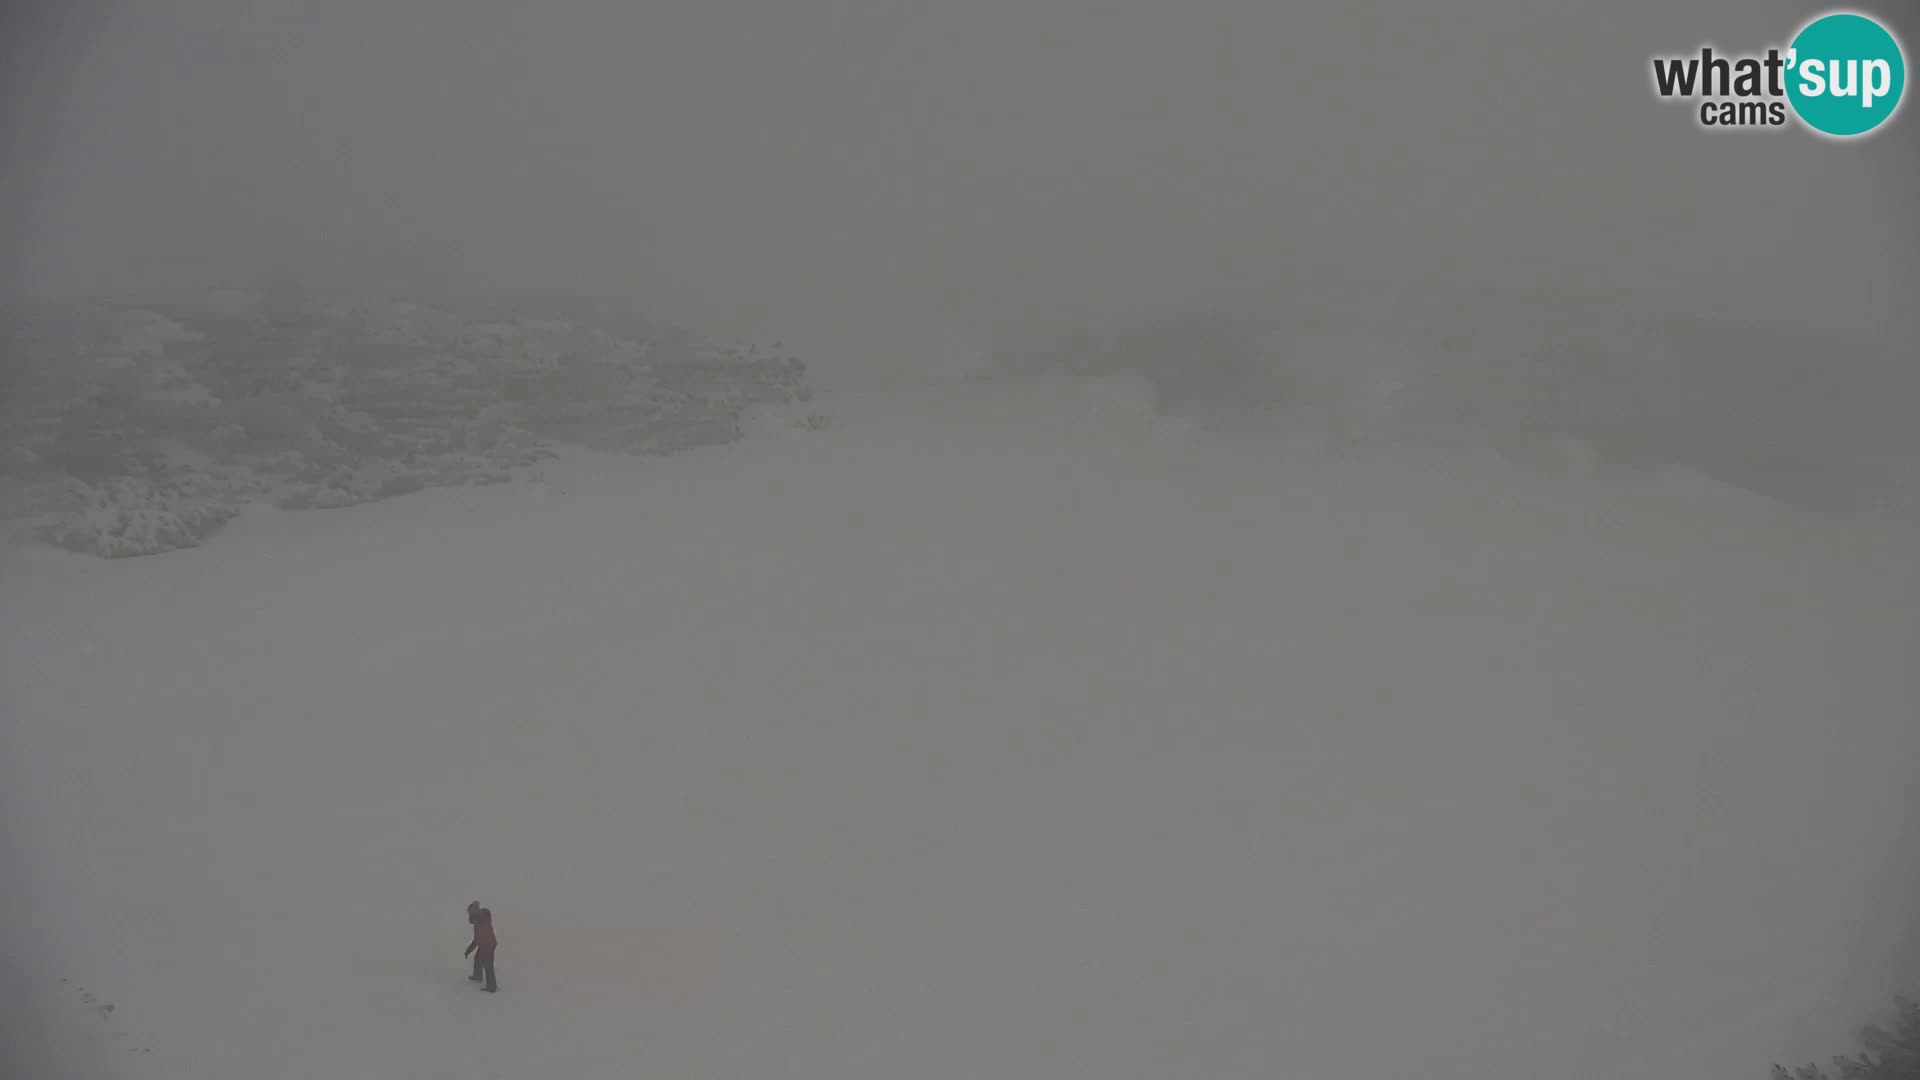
x,y
878,174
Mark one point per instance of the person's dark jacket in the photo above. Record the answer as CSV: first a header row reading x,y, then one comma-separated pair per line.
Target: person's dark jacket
x,y
483,938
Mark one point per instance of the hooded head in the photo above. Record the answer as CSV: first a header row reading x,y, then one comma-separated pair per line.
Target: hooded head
x,y
473,912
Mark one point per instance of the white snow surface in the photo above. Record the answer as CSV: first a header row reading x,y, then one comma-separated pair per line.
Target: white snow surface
x,y
994,731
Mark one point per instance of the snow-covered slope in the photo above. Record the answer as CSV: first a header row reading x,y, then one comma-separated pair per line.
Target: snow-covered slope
x,y
995,732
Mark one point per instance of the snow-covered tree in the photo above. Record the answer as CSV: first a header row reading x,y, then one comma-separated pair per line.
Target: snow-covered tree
x,y
1885,1054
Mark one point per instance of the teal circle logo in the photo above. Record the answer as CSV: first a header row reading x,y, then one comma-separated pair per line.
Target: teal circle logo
x,y
1846,74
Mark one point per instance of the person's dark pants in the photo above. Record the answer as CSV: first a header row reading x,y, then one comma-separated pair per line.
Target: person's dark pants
x,y
483,965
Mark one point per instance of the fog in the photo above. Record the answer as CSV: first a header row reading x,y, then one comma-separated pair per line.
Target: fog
x,y
897,186
1361,626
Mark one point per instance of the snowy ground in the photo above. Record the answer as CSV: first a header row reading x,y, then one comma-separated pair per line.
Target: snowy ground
x,y
984,734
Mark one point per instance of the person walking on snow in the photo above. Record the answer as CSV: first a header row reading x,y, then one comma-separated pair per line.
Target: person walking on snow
x,y
473,920
482,946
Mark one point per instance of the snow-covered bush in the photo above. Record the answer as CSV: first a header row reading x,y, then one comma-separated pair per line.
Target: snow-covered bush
x,y
782,418
1566,381
316,406
1885,1055
127,516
